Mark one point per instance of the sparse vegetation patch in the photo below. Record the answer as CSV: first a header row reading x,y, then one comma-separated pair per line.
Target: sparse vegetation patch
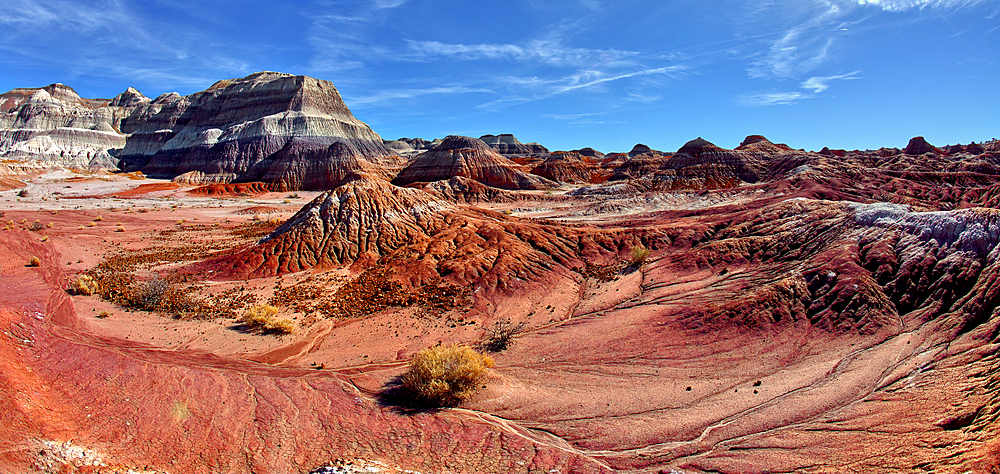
x,y
446,375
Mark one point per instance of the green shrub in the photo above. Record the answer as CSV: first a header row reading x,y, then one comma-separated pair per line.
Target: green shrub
x,y
446,375
34,262
639,255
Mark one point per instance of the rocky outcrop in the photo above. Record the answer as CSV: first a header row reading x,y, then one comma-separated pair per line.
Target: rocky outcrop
x,y
420,236
589,152
420,144
640,149
507,144
401,147
699,158
294,132
465,190
470,158
919,146
569,167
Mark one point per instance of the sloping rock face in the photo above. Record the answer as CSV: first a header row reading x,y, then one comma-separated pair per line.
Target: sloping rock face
x,y
470,158
54,124
507,144
294,132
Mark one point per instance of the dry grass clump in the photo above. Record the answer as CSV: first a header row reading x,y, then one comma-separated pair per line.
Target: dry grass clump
x,y
501,335
262,318
446,375
84,285
34,261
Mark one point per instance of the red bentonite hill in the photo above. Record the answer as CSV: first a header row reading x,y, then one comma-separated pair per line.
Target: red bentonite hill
x,y
795,312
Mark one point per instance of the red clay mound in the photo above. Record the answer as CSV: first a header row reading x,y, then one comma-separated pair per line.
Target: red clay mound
x,y
144,189
471,158
466,190
231,189
567,167
424,238
7,183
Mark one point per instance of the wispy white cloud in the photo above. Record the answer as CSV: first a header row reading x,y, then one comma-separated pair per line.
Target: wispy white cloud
x,y
818,84
902,5
572,116
771,98
548,51
814,86
384,4
813,28
384,96
533,88
670,71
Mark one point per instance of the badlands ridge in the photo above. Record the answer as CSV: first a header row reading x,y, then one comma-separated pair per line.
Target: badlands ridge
x,y
754,309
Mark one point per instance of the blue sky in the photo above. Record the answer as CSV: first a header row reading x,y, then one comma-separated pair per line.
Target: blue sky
x,y
567,74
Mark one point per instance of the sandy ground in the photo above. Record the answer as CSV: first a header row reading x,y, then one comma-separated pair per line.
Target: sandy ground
x,y
611,372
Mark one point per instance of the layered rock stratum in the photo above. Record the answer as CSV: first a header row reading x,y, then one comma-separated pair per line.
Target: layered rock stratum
x,y
291,132
54,124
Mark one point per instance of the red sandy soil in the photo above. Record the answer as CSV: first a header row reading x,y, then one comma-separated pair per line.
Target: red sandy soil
x,y
231,189
648,372
145,189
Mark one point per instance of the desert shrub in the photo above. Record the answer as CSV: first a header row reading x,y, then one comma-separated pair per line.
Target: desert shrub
x,y
639,255
258,316
446,375
84,285
499,337
36,226
284,326
34,262
99,218
148,295
262,318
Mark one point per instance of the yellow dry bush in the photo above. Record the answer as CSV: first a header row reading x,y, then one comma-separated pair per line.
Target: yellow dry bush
x,y
284,326
84,285
259,316
34,262
446,375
